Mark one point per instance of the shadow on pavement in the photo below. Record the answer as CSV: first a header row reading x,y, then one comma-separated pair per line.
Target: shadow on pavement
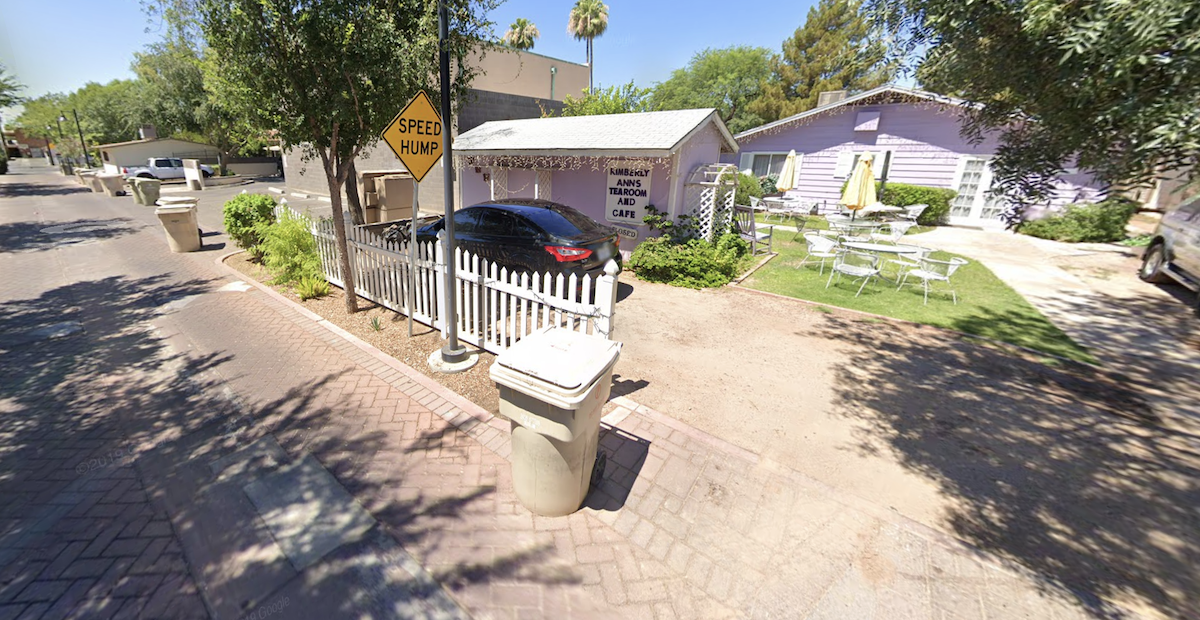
x,y
115,393
36,236
14,190
1060,469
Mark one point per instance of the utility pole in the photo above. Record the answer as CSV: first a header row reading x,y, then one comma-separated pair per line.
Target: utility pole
x,y
82,143
49,151
3,140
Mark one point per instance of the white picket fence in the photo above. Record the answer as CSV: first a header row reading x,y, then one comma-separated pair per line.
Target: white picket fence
x,y
496,308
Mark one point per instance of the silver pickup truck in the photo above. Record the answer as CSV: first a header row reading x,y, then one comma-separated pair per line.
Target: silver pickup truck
x,y
1174,252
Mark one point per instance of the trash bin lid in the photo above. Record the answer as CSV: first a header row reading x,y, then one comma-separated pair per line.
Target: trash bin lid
x,y
565,358
173,209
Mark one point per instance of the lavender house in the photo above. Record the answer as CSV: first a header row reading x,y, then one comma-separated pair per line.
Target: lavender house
x,y
610,167
915,138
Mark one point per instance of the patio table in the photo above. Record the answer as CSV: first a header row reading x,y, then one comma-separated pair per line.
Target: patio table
x,y
881,248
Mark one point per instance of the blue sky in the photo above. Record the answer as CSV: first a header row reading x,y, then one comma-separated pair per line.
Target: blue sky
x,y
61,46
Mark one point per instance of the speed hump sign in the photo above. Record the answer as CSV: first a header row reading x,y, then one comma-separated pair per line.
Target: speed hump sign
x,y
415,136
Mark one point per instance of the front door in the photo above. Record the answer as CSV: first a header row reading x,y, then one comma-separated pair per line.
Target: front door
x,y
974,205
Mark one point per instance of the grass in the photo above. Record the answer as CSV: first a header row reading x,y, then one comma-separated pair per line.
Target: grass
x,y
986,306
819,223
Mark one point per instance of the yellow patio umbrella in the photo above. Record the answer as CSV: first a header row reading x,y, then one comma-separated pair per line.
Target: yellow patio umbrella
x,y
788,174
860,190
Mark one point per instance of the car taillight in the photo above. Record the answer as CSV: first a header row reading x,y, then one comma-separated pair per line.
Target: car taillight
x,y
124,170
565,254
617,241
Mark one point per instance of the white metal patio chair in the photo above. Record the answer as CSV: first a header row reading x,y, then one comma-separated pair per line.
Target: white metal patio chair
x,y
819,247
930,271
904,262
856,265
896,232
912,212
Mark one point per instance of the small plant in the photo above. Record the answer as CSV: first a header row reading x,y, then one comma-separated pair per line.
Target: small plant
x,y
769,184
289,250
312,288
1138,241
376,324
244,214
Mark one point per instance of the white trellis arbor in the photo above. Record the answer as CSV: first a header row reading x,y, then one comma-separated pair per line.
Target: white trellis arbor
x,y
708,196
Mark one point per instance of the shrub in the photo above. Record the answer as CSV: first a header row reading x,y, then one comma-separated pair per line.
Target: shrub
x,y
244,214
747,186
1100,222
3,162
289,251
938,199
768,184
694,263
310,288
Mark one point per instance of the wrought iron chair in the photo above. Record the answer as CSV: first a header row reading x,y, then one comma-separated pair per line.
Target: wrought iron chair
x,y
856,265
821,247
912,212
896,232
930,271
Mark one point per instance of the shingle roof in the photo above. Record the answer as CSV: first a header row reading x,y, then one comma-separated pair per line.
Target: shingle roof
x,y
867,95
609,133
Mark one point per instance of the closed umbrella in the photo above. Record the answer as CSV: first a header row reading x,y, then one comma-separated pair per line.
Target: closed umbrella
x,y
860,190
788,174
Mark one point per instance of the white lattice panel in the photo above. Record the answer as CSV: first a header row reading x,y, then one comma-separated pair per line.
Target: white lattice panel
x,y
708,197
542,186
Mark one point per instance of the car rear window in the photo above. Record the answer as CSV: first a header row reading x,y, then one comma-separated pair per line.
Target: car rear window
x,y
566,222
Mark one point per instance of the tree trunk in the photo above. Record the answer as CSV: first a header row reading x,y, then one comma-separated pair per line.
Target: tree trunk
x,y
352,198
339,233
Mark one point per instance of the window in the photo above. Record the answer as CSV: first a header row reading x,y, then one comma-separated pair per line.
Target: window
x,y
767,164
162,163
493,222
465,221
848,160
176,163
525,229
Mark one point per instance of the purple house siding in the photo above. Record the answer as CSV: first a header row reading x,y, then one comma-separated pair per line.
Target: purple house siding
x,y
923,138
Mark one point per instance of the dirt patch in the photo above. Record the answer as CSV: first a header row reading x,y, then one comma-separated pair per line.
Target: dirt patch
x,y
392,337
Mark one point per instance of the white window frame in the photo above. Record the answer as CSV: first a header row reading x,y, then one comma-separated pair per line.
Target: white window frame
x,y
975,215
747,160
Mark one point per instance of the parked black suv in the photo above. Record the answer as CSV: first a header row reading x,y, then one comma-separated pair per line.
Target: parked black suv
x,y
532,236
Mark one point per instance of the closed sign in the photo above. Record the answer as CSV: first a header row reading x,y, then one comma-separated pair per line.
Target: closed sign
x,y
627,195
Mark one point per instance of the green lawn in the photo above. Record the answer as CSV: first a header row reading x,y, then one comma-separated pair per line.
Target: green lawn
x,y
819,223
986,306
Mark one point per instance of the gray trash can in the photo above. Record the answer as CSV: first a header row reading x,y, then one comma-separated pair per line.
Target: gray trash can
x,y
553,385
181,226
113,183
146,191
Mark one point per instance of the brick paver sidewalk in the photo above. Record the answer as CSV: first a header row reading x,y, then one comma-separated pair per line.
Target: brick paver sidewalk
x,y
684,526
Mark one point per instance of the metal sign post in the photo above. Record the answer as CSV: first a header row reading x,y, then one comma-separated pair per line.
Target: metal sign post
x,y
452,352
412,257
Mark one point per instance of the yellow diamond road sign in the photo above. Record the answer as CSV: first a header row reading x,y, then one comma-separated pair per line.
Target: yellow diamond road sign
x,y
415,136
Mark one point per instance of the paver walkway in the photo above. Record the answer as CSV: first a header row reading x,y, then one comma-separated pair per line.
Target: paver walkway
x,y
190,370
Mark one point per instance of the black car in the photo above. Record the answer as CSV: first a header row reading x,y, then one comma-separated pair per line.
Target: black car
x,y
532,236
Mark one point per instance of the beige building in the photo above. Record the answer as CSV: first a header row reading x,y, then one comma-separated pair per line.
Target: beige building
x,y
511,84
136,152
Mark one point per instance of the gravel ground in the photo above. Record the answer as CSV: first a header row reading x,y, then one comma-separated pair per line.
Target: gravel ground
x,y
392,338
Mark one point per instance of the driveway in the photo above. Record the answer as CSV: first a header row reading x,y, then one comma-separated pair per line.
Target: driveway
x,y
1056,468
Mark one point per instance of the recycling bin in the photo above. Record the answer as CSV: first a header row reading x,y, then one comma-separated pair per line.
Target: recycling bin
x,y
113,183
146,191
93,181
181,226
553,385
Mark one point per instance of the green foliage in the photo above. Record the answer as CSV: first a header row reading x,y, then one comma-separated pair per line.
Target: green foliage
x,y
9,87
312,288
243,216
289,250
3,161
611,100
376,324
767,183
1137,241
748,186
1100,222
835,49
693,264
938,199
522,34
726,79
1110,87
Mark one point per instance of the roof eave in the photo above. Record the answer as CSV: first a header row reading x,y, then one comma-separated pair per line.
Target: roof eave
x,y
646,153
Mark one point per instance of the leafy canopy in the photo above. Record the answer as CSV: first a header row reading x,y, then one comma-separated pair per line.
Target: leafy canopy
x,y
9,87
1109,85
611,100
835,49
726,79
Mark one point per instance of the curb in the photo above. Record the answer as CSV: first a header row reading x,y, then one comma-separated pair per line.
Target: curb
x,y
477,413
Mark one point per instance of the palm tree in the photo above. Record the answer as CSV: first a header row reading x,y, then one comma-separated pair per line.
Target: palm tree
x,y
588,20
521,34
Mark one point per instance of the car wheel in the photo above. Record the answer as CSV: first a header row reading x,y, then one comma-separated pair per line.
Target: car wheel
x,y
145,175
206,173
1153,263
